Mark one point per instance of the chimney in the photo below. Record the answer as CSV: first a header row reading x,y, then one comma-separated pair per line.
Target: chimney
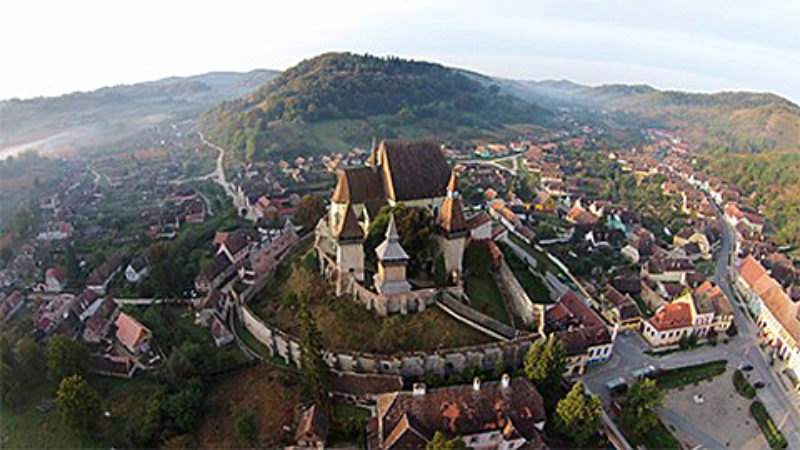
x,y
476,383
505,381
419,389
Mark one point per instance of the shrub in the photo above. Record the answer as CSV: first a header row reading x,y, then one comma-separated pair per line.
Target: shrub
x,y
743,387
771,432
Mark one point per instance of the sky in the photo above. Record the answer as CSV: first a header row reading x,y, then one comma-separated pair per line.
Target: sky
x,y
55,47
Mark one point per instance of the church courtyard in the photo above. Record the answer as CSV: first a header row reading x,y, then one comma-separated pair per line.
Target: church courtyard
x,y
346,325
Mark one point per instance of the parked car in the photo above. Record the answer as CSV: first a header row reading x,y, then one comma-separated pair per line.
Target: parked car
x,y
746,368
759,385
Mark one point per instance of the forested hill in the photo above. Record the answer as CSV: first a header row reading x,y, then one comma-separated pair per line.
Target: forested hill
x,y
337,100
729,122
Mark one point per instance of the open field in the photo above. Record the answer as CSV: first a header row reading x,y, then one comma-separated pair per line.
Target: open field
x,y
265,392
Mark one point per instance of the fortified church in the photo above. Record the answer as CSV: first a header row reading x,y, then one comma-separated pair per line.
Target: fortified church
x,y
412,173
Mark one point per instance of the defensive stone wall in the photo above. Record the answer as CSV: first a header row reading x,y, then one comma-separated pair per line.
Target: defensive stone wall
x,y
508,354
530,312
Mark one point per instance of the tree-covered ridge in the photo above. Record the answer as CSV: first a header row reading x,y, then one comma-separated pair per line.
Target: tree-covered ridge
x,y
387,94
773,179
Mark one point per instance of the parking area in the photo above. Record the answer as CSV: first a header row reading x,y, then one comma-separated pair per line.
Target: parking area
x,y
712,409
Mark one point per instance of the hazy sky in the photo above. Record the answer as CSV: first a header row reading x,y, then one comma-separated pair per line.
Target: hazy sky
x,y
54,47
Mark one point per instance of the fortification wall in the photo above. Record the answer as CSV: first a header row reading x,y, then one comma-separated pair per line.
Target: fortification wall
x,y
509,354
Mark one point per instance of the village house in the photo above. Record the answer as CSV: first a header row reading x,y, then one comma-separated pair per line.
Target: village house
x,y
116,366
312,428
98,324
776,313
137,269
735,215
666,268
695,312
54,279
586,337
506,414
132,334
100,277
621,309
10,305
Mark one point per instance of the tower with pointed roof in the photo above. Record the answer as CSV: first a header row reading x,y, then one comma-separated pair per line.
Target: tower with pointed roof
x,y
392,260
452,229
349,249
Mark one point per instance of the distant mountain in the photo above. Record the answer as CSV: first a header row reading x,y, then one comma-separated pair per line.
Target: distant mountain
x,y
338,100
90,119
732,122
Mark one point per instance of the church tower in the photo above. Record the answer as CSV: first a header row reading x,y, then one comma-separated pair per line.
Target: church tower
x,y
452,229
349,248
392,260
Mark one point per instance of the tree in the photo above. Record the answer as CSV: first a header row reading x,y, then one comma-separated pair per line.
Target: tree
x,y
78,403
9,384
310,209
185,407
441,442
66,357
642,397
72,266
313,370
23,220
545,365
164,273
246,427
30,360
578,415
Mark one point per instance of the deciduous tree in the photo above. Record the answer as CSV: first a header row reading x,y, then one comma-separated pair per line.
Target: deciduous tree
x,y
66,357
78,403
637,409
578,415
314,371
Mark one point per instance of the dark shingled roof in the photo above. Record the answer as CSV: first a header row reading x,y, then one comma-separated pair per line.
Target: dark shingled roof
x,y
349,229
414,168
358,185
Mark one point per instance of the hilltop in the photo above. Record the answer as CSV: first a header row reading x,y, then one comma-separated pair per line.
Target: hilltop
x,y
84,120
338,100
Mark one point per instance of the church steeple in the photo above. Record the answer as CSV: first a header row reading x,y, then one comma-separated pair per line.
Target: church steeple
x,y
451,216
373,155
392,259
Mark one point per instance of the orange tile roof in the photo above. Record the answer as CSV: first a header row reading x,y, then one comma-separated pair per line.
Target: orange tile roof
x,y
751,270
672,316
130,331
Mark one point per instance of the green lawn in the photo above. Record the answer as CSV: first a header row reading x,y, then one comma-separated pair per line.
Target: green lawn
x,y
533,285
684,376
543,262
25,427
656,438
479,284
348,424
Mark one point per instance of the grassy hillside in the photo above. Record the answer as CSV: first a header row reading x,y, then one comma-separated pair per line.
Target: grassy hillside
x,y
338,100
92,119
